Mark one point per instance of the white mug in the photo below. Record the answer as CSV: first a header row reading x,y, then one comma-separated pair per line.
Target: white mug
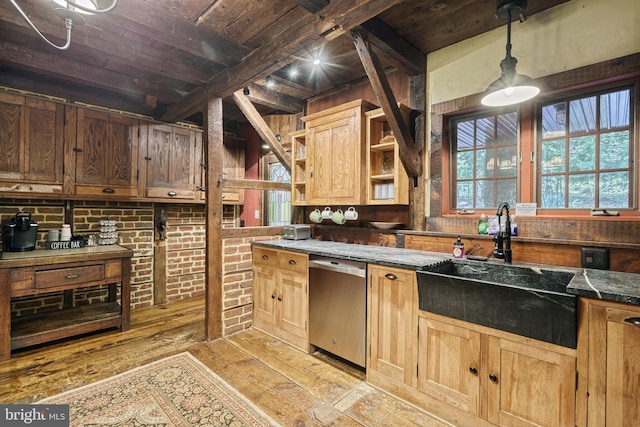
x,y
326,213
351,214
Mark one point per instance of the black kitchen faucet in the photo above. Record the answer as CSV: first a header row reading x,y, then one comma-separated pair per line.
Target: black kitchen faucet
x,y
502,249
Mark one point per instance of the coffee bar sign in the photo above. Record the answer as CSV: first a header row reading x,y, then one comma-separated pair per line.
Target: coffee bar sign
x,y
66,244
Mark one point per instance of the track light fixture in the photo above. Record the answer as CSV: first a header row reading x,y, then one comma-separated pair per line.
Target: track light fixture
x,y
511,88
71,13
270,83
245,91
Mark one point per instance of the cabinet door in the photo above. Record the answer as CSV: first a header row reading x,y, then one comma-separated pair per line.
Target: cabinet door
x,y
292,297
170,163
334,167
614,366
264,297
391,328
449,364
31,141
106,159
529,386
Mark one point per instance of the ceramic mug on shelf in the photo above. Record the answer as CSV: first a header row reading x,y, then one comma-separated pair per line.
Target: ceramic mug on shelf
x,y
338,217
326,213
351,214
316,216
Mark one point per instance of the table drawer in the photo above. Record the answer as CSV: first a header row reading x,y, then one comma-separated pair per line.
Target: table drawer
x,y
69,276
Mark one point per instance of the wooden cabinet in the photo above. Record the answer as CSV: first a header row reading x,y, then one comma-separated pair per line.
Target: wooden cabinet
x,y
613,384
280,295
31,145
170,162
233,167
390,327
387,181
335,155
106,155
299,168
505,381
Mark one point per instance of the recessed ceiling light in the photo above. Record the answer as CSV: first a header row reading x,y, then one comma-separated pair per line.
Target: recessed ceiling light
x,y
293,72
270,82
316,61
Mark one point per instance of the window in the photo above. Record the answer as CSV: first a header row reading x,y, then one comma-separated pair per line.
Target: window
x,y
586,150
279,202
484,155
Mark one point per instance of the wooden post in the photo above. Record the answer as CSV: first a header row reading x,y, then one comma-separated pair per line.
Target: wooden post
x,y
213,152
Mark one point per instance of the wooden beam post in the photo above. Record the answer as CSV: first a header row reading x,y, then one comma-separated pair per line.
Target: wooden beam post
x,y
409,155
262,128
213,152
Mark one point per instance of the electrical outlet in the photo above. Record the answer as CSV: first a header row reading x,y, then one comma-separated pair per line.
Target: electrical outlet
x,y
595,258
256,214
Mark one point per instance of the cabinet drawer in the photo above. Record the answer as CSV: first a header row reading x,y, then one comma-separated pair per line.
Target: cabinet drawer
x,y
69,276
293,261
170,193
264,256
106,191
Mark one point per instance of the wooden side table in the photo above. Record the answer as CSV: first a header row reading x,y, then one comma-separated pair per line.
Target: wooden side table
x,y
44,271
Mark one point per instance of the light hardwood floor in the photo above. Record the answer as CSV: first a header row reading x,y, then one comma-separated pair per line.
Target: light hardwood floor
x,y
294,388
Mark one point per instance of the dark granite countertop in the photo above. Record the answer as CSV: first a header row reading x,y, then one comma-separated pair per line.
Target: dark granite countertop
x,y
598,284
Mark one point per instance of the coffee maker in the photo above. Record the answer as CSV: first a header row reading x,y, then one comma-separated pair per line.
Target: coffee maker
x,y
19,233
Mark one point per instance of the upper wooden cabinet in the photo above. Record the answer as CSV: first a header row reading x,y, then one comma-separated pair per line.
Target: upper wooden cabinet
x,y
106,155
170,161
31,145
335,155
233,166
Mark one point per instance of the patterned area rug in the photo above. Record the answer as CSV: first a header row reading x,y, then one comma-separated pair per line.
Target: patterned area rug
x,y
175,391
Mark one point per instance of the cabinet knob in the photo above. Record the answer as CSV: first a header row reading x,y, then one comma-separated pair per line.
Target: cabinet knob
x,y
292,262
280,298
108,190
147,158
71,276
272,296
493,378
265,256
172,194
473,370
391,276
635,321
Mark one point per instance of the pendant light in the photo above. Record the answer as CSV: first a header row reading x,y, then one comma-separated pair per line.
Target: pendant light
x,y
511,88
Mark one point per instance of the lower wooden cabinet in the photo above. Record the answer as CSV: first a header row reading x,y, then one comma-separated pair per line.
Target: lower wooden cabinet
x,y
613,383
503,381
390,326
280,295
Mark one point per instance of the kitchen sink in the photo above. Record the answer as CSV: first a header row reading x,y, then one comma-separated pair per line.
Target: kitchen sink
x,y
530,302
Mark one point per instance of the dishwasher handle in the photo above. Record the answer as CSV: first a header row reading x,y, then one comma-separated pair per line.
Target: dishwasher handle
x,y
338,267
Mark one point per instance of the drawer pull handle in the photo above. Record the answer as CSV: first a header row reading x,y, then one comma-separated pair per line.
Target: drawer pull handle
x,y
635,321
391,276
292,261
493,378
71,276
473,370
265,256
108,190
172,194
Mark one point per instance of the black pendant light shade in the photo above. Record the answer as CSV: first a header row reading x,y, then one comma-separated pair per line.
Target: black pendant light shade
x,y
511,88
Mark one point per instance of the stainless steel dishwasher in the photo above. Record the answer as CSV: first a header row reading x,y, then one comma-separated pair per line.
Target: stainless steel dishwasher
x,y
338,307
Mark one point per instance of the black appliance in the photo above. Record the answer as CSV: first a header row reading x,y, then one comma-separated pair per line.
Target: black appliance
x,y
19,233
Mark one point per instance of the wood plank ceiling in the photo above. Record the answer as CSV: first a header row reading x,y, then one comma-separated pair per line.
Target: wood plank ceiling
x,y
158,58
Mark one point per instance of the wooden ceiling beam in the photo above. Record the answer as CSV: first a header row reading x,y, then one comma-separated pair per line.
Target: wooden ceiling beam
x,y
409,154
278,101
341,15
68,70
262,128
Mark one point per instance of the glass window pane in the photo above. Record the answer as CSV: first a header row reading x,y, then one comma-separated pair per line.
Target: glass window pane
x,y
614,150
464,166
554,119
485,196
552,192
553,156
485,132
582,153
507,161
615,110
506,192
614,190
581,194
464,195
484,164
507,128
464,135
582,113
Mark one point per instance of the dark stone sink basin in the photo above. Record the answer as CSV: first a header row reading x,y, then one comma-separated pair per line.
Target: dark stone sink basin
x,y
530,302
